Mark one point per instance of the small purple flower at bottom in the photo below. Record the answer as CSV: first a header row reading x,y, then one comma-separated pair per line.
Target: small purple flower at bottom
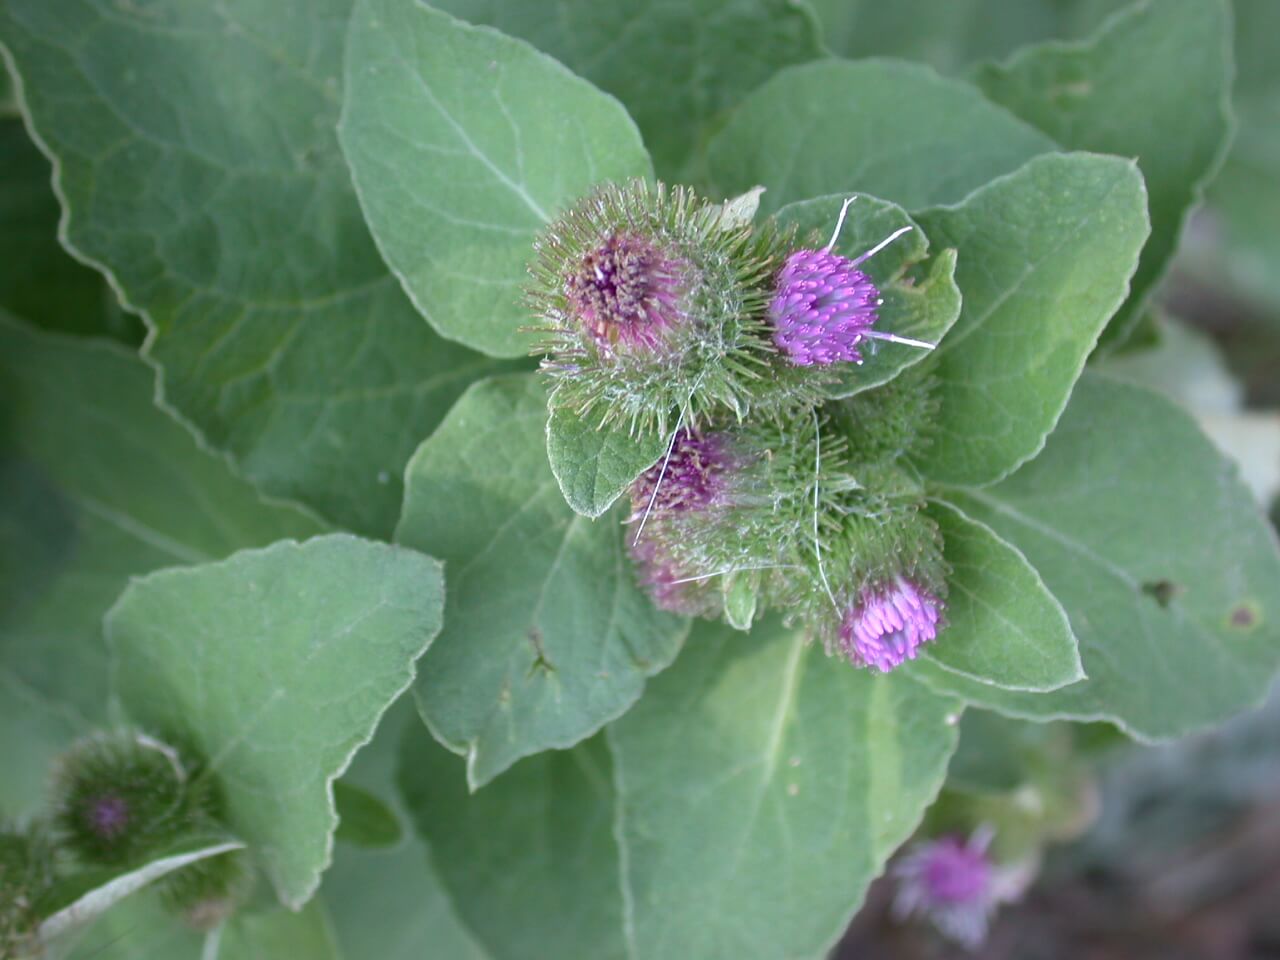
x,y
627,291
107,816
823,309
952,882
888,624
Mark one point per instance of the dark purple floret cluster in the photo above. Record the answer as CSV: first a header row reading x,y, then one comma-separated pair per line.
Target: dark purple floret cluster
x,y
627,292
823,309
888,624
107,815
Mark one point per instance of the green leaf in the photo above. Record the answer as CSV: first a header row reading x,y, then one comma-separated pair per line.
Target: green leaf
x,y
1153,84
675,66
919,302
1045,259
951,34
893,130
196,156
96,486
761,787
141,929
39,280
275,665
1167,569
106,892
529,861
1004,627
596,465
390,905
547,637
464,143
363,819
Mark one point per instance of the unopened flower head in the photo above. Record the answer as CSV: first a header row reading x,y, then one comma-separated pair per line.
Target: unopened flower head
x,y
106,815
952,882
888,623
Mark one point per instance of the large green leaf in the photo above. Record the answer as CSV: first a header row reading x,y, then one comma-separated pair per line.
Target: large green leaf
x,y
920,303
464,143
761,787
530,860
547,637
1167,569
39,281
676,66
951,34
1004,627
1045,259
196,156
96,486
894,130
142,930
1152,84
275,665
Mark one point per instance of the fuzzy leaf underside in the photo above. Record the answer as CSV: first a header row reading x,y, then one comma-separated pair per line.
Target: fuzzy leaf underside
x,y
249,661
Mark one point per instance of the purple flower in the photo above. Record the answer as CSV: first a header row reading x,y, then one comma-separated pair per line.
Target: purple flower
x,y
628,292
888,624
952,882
668,585
107,815
823,309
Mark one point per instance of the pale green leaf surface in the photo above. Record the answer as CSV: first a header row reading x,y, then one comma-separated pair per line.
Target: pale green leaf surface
x,y
761,787
530,860
919,302
275,665
676,65
1045,257
1152,83
894,130
547,636
96,486
141,929
595,465
1166,567
463,144
1004,627
198,164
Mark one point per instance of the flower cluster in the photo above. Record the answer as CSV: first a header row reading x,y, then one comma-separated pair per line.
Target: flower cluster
x,y
672,316
952,882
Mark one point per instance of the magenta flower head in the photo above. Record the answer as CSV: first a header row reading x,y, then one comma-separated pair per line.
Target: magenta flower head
x,y
627,292
952,882
824,307
888,624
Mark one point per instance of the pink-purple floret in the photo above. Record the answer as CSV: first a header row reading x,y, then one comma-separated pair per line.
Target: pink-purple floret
x,y
627,292
888,624
950,880
823,309
108,815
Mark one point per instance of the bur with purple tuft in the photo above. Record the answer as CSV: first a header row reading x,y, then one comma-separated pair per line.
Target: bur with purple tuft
x,y
889,624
